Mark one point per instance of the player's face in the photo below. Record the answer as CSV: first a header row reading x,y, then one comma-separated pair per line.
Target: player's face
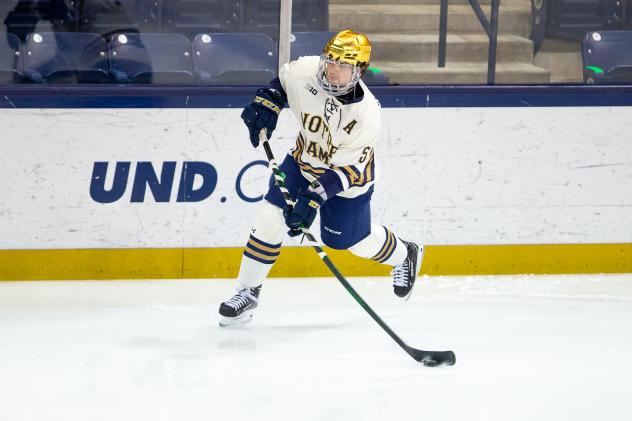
x,y
337,78
338,73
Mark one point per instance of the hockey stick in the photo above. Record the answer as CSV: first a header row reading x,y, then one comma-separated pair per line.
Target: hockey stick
x,y
427,358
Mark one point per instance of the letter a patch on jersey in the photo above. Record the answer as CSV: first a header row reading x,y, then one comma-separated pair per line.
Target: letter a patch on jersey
x,y
350,126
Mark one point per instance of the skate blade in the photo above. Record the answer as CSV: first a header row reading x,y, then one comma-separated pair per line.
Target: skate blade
x,y
236,321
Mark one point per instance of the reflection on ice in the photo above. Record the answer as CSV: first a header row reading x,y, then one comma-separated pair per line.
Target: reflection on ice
x,y
528,347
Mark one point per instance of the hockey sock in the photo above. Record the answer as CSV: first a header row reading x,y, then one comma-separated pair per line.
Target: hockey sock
x,y
382,246
263,246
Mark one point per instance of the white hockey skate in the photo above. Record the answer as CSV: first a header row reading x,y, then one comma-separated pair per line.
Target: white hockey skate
x,y
405,275
240,308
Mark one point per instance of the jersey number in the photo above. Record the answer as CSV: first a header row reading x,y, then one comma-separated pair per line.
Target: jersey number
x,y
365,153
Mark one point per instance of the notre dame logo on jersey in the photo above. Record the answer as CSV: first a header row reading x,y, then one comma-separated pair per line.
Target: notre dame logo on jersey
x,y
316,124
319,153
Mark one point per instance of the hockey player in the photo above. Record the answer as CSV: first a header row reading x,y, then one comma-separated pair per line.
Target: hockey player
x,y
331,169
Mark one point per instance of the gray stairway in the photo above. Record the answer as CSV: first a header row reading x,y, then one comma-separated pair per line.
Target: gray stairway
x,y
405,38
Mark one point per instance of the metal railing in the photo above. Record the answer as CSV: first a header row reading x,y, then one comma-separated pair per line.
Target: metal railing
x,y
490,27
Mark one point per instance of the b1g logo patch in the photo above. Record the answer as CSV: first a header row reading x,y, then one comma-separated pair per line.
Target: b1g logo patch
x,y
311,89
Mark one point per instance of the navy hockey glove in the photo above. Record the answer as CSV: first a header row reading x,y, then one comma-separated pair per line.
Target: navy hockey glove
x,y
262,113
303,213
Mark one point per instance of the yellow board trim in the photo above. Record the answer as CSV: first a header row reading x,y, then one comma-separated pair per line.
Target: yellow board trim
x,y
17,265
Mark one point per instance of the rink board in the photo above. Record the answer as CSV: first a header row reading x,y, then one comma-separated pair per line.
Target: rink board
x,y
133,184
304,262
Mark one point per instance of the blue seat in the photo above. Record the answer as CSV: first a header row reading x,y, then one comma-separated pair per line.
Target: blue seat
x,y
310,43
263,16
192,17
65,57
607,57
10,62
234,58
375,77
151,58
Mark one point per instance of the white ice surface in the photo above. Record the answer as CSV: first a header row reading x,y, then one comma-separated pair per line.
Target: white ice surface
x,y
527,347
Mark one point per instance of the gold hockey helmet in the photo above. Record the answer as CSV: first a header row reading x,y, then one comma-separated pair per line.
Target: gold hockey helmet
x,y
343,62
349,47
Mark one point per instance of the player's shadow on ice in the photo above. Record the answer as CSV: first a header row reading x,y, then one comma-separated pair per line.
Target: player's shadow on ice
x,y
239,338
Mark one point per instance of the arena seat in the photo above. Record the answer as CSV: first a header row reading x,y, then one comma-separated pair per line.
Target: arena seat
x,y
192,17
10,61
607,57
263,16
375,76
234,58
151,58
308,43
65,57
620,74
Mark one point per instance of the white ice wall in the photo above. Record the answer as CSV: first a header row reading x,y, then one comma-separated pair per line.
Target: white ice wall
x,y
448,175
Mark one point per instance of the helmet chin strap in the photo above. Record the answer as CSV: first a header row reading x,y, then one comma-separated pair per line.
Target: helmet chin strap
x,y
337,90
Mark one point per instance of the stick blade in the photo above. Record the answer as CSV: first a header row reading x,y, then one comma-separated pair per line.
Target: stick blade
x,y
433,358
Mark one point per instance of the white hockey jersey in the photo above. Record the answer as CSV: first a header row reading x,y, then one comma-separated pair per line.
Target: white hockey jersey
x,y
334,137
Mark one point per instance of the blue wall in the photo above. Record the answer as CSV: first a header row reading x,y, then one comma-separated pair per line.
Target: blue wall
x,y
39,96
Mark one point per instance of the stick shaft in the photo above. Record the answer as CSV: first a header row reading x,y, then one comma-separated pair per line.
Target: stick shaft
x,y
280,181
